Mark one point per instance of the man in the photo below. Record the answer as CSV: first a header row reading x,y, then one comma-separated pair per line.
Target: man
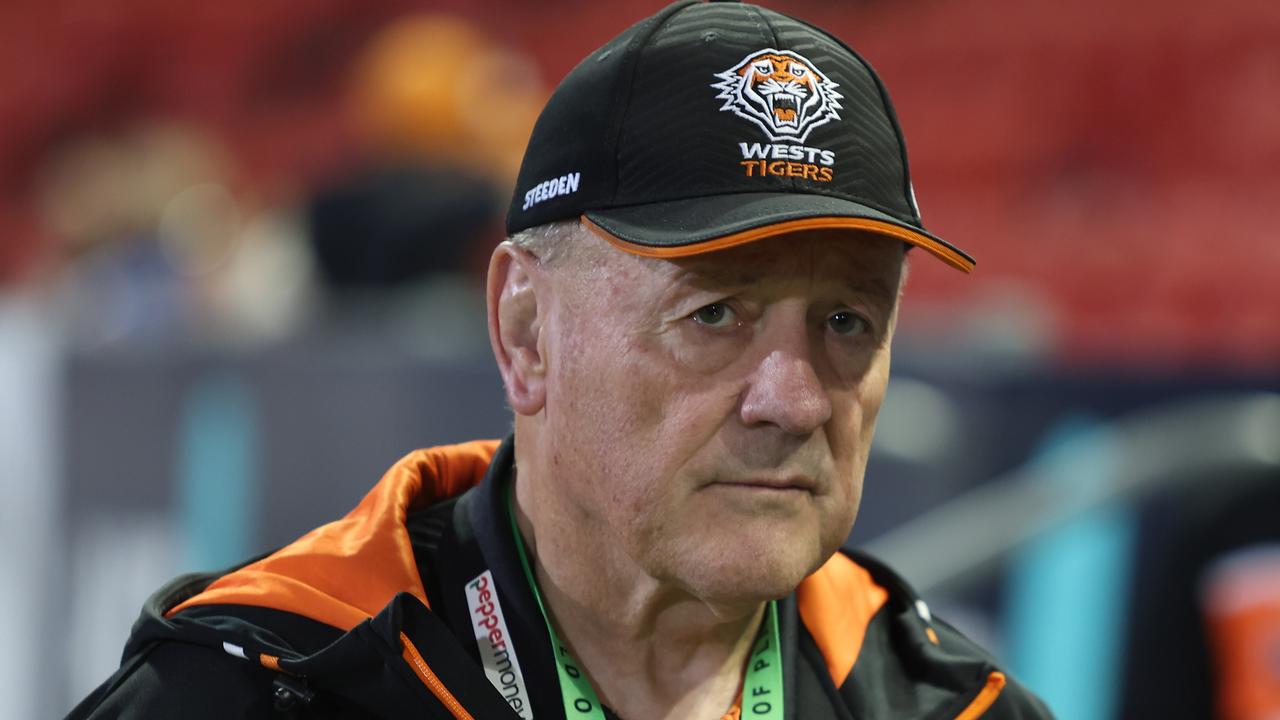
x,y
692,320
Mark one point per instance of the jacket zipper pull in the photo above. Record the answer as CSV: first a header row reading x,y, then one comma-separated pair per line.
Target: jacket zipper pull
x,y
289,691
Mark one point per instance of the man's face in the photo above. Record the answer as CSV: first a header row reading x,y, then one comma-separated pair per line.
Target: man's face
x,y
709,418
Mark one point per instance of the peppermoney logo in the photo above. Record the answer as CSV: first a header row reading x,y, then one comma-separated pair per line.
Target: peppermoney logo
x,y
786,96
496,651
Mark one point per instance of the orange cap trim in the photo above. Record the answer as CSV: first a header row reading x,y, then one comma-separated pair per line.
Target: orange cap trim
x,y
342,573
986,697
836,604
935,248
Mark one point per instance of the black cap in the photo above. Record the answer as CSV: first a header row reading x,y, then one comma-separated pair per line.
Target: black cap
x,y
712,124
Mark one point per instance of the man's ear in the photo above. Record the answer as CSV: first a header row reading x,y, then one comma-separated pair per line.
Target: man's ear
x,y
515,326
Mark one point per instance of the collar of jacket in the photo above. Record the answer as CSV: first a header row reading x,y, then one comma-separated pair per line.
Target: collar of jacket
x,y
359,575
347,571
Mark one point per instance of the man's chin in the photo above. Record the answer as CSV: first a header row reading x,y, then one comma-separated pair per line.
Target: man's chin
x,y
753,575
746,594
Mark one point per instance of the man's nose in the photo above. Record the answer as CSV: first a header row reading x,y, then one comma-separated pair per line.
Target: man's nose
x,y
787,392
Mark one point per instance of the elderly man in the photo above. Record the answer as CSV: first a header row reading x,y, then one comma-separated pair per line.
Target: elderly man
x,y
692,319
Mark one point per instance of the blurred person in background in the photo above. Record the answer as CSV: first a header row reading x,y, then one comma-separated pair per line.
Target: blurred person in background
x,y
692,317
160,233
159,243
442,113
1204,640
103,195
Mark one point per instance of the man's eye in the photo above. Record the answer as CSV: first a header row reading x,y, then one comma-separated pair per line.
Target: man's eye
x,y
847,323
713,315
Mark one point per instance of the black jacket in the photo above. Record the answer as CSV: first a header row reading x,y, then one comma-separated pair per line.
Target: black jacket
x,y
369,617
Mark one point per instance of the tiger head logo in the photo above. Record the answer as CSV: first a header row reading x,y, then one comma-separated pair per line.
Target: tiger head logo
x,y
780,91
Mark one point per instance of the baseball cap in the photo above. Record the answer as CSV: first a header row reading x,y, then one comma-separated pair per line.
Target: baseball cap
x,y
714,124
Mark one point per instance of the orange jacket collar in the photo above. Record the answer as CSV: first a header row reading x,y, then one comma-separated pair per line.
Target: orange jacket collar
x,y
347,571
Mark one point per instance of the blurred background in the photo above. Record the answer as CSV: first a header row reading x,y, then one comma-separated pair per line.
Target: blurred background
x,y
241,258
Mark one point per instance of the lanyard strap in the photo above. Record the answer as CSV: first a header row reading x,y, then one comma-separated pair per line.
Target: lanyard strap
x,y
762,694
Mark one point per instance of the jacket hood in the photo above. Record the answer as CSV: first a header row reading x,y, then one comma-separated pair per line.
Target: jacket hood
x,y
347,571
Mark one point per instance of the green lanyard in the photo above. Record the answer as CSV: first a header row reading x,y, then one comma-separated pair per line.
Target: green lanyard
x,y
761,693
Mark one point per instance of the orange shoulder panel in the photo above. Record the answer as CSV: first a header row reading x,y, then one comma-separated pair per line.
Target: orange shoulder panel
x,y
347,571
836,604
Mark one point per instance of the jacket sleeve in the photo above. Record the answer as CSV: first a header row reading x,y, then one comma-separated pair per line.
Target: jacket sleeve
x,y
1015,701
180,680
1018,703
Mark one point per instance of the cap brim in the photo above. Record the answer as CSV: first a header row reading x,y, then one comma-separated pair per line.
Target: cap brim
x,y
680,228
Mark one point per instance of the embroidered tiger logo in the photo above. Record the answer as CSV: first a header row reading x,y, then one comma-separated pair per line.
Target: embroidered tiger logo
x,y
781,91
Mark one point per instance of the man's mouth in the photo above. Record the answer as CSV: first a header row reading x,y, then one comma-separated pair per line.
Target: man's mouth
x,y
796,483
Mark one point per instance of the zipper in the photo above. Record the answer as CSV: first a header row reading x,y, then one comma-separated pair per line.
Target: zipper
x,y
429,678
985,699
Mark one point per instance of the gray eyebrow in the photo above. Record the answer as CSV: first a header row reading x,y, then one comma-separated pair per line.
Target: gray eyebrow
x,y
875,287
718,275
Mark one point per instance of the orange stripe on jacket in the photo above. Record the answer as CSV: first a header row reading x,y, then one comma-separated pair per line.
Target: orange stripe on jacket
x,y
345,572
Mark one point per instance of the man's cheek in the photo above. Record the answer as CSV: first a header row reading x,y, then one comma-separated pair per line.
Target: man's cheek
x,y
696,351
837,516
642,397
